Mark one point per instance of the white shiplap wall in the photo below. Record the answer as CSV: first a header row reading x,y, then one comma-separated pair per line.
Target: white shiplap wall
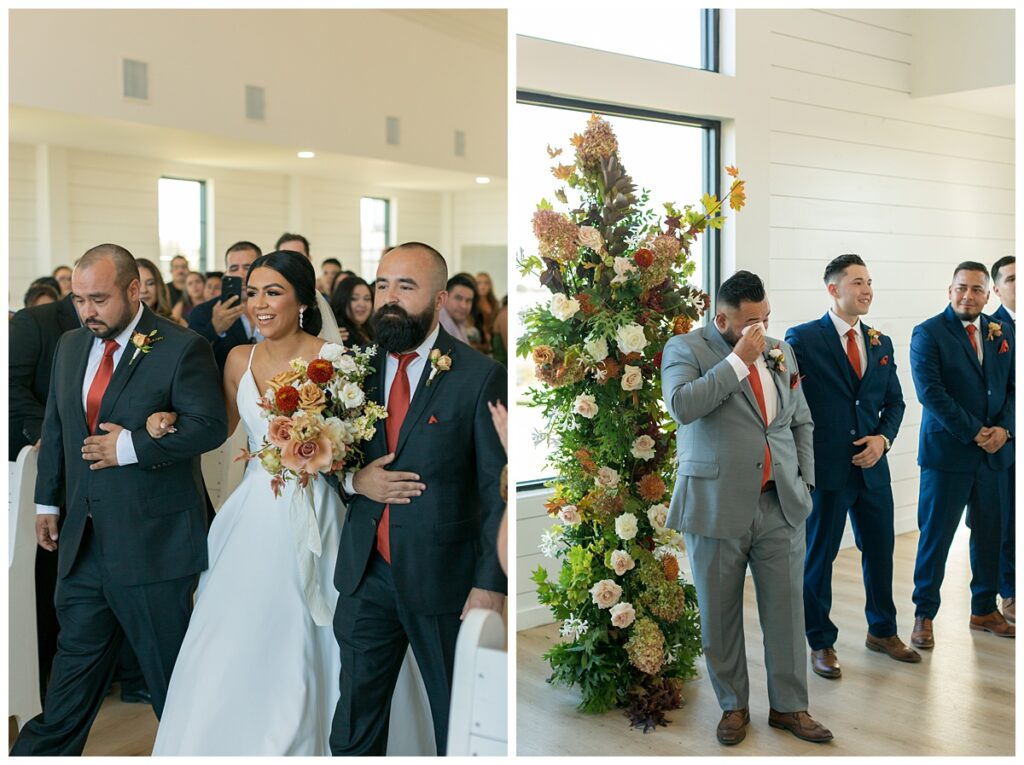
x,y
22,234
850,162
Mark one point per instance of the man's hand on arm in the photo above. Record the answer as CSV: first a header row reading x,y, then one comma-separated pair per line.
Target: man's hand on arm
x,y
109,450
392,487
492,601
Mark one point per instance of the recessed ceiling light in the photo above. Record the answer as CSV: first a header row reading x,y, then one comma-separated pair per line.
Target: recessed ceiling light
x,y
306,155
482,179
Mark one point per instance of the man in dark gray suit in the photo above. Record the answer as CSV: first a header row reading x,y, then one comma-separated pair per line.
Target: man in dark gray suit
x,y
742,496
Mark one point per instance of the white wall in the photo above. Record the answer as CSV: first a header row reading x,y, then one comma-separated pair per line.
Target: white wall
x,y
839,158
91,198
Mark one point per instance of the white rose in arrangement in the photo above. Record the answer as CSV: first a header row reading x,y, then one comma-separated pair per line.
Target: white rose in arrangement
x,y
632,378
607,477
625,526
596,348
606,593
622,562
631,339
352,395
335,430
657,515
332,352
623,267
643,448
563,307
622,615
569,515
346,365
590,237
585,405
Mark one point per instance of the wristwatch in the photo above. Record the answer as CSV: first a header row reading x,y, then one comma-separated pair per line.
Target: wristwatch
x,y
888,443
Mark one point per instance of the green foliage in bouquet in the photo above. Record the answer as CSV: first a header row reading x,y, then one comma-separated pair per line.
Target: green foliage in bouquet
x,y
618,277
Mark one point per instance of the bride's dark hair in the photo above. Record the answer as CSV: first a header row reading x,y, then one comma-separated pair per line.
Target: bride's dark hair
x,y
298,272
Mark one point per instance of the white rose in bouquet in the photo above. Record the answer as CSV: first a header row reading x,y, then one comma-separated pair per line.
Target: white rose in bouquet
x,y
585,405
596,348
631,338
563,307
626,526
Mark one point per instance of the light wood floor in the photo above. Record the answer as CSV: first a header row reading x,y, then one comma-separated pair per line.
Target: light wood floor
x,y
958,701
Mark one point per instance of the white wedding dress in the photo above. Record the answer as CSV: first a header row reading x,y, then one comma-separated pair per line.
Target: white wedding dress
x,y
256,675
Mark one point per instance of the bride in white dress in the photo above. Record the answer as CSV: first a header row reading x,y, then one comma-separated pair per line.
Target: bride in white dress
x,y
257,673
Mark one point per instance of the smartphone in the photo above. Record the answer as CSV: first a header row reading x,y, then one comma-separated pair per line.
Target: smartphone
x,y
230,285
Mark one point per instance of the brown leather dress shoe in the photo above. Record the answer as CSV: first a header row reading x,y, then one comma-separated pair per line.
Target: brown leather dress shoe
x,y
894,647
922,636
994,623
732,728
826,664
801,725
1009,610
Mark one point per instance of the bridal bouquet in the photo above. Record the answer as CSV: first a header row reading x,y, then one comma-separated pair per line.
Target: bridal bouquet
x,y
318,415
617,273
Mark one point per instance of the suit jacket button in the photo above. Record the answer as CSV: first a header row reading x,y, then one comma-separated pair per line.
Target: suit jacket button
x,y
856,403
373,523
853,432
760,465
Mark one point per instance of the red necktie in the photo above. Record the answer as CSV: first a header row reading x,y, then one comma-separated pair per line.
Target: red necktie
x,y
755,383
398,406
852,351
99,384
971,330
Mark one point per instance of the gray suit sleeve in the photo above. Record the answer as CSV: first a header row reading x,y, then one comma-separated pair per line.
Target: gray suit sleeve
x,y
802,425
688,394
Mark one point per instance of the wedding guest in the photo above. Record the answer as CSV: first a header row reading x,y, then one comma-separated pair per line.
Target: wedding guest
x,y
962,367
436,478
742,496
1004,284
63,276
195,288
153,291
40,294
853,391
499,338
179,273
126,572
293,242
225,324
329,271
458,308
487,304
211,288
352,304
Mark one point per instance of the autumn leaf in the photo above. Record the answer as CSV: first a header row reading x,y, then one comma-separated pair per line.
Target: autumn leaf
x,y
710,202
545,205
561,197
552,153
732,171
562,172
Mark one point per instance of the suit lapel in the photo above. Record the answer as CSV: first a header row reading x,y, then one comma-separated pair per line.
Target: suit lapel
x,y
378,444
833,342
125,367
776,379
990,350
871,353
81,359
446,344
718,345
959,333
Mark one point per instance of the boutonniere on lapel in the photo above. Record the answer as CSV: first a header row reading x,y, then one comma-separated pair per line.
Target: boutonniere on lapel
x,y
994,331
884,361
794,380
143,344
875,336
776,360
1005,347
438,364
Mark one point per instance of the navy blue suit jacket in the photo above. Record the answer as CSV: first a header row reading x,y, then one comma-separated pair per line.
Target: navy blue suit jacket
x,y
959,395
843,407
201,320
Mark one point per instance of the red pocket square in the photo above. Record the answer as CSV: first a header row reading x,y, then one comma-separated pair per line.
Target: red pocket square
x,y
794,380
432,420
1005,347
885,361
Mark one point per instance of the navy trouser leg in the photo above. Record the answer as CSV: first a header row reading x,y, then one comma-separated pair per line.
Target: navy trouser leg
x,y
985,511
871,516
940,505
825,527
1008,550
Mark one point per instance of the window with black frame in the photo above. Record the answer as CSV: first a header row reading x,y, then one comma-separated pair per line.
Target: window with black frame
x,y
674,157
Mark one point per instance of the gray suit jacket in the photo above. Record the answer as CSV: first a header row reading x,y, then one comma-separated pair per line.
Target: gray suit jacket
x,y
720,442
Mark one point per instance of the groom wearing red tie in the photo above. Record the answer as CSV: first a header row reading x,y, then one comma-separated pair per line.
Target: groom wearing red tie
x,y
418,546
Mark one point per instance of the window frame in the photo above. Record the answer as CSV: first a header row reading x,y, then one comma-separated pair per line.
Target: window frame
x,y
387,225
204,232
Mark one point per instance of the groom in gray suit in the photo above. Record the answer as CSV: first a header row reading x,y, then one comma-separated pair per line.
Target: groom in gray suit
x,y
746,467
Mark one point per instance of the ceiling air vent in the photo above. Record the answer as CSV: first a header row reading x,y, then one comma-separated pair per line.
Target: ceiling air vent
x,y
392,131
136,80
255,107
460,143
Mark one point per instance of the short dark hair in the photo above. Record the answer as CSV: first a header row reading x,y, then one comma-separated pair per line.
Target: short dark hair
x,y
124,262
239,246
38,290
837,267
742,285
214,274
287,237
970,265
331,262
46,281
463,280
999,265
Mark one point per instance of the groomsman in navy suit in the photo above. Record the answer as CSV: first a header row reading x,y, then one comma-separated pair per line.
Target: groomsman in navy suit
x,y
1004,284
855,398
962,363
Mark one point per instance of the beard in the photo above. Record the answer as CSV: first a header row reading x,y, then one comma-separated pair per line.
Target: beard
x,y
105,331
397,331
731,337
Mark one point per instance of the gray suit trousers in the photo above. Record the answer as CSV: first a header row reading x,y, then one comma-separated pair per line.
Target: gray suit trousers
x,y
774,550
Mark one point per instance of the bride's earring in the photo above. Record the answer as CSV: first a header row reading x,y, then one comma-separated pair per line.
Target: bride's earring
x,y
301,311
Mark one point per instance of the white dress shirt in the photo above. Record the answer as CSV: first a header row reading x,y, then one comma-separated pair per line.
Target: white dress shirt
x,y
125,448
1013,314
977,337
843,328
412,371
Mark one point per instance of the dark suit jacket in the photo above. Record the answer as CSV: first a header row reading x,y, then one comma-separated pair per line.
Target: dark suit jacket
x,y
443,542
959,395
200,320
844,407
149,518
34,333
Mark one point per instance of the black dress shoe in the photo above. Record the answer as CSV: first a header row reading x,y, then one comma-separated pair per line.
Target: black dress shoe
x,y
141,696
